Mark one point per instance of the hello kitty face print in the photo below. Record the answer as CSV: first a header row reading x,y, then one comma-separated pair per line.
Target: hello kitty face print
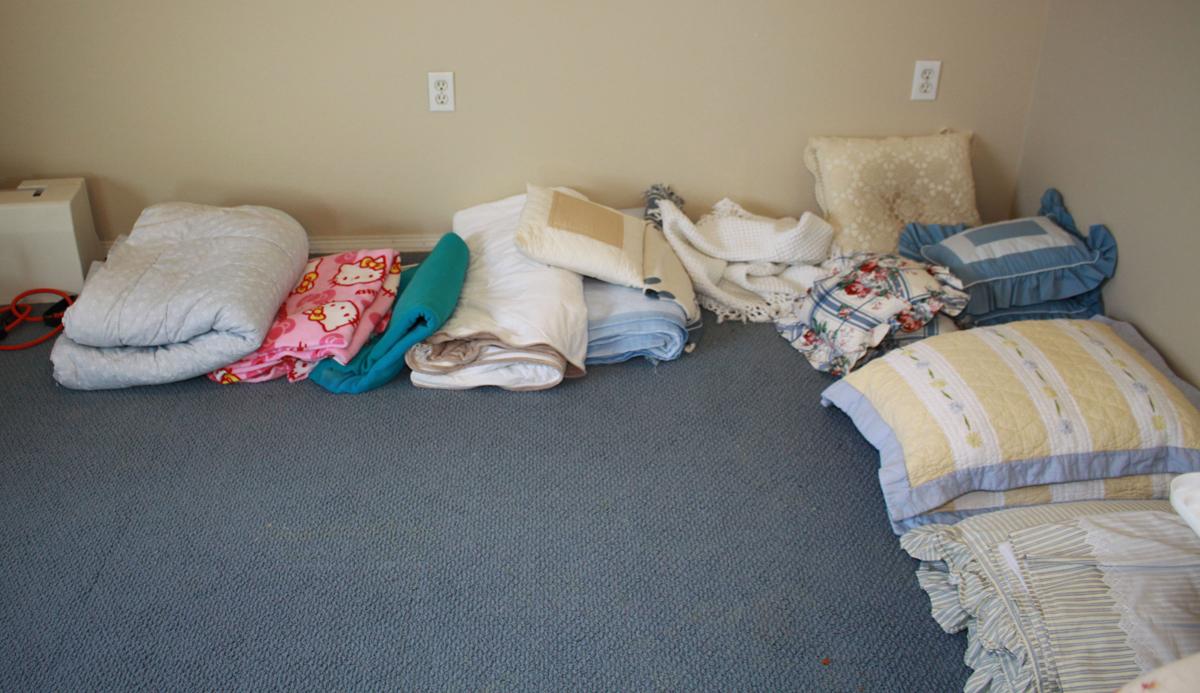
x,y
334,314
365,271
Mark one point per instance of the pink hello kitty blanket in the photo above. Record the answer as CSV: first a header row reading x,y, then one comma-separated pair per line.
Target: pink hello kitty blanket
x,y
339,303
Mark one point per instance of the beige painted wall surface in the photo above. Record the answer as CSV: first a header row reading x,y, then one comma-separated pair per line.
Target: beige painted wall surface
x,y
319,108
1115,125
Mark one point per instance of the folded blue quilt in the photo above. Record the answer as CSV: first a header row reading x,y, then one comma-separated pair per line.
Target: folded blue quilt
x,y
624,323
426,297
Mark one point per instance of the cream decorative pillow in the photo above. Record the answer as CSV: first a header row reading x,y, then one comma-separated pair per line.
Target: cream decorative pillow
x,y
870,188
569,231
561,228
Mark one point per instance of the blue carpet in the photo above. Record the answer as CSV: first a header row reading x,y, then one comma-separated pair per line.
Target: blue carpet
x,y
700,525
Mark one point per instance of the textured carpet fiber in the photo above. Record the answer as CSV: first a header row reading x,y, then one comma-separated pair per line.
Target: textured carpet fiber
x,y
700,525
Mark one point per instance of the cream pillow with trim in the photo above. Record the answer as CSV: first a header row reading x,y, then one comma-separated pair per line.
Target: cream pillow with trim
x,y
870,188
562,228
567,230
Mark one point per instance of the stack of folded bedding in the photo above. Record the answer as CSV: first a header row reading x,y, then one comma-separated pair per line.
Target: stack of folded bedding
x,y
1035,268
626,323
1028,412
520,324
340,302
191,289
1065,597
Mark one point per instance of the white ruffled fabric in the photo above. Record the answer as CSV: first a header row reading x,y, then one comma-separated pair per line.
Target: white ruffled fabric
x,y
745,266
1151,564
971,587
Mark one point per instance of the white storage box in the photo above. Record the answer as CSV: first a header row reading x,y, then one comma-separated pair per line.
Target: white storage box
x,y
46,237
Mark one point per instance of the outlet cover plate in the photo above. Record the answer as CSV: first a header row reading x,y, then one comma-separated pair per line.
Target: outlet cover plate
x,y
925,80
441,91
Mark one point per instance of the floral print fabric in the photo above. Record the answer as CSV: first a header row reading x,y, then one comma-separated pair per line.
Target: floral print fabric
x,y
846,315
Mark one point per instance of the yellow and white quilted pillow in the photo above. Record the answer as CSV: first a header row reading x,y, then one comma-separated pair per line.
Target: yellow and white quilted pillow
x,y
1013,406
870,188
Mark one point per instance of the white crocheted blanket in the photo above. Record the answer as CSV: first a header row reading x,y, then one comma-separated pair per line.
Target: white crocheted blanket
x,y
745,266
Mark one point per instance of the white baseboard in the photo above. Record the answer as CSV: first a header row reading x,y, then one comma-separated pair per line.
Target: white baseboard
x,y
327,245
407,243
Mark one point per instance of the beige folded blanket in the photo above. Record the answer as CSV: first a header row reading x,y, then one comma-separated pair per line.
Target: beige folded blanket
x,y
476,360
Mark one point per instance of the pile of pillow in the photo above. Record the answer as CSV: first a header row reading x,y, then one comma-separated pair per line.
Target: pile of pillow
x,y
1029,412
916,196
868,188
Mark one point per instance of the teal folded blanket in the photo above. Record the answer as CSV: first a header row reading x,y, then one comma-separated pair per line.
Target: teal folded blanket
x,y
425,299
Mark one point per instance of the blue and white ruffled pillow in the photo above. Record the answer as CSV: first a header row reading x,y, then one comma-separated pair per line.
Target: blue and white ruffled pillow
x,y
1031,268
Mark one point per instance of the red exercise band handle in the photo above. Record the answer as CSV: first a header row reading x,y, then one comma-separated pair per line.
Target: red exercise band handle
x,y
27,315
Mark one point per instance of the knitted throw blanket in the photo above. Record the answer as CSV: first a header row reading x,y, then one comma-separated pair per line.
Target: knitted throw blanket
x,y
744,266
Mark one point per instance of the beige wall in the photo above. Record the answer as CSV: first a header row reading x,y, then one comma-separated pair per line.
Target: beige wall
x,y
319,108
1115,125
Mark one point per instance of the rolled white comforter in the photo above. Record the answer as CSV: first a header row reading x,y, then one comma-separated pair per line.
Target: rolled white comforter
x,y
519,324
192,288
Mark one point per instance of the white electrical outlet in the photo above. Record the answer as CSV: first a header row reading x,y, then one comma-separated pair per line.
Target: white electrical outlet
x,y
441,91
925,80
